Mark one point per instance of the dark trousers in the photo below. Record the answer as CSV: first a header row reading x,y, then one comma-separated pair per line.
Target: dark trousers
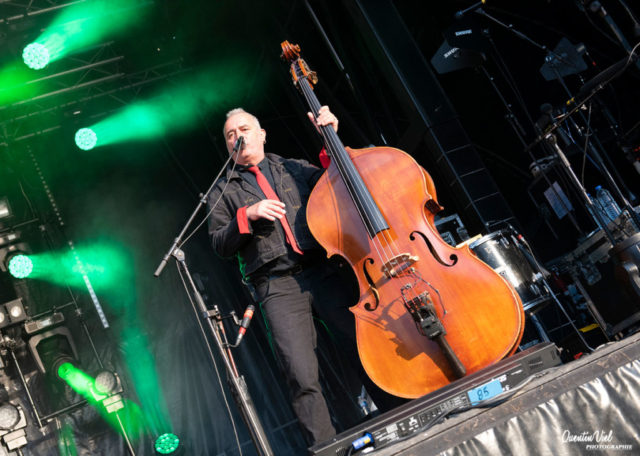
x,y
287,303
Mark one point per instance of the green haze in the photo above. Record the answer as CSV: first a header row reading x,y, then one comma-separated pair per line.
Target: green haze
x,y
87,24
178,109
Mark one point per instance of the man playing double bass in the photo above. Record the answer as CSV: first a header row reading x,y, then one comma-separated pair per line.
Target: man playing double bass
x,y
260,217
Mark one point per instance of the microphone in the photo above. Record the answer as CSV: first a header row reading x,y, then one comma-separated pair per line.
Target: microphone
x,y
239,144
246,319
607,74
460,14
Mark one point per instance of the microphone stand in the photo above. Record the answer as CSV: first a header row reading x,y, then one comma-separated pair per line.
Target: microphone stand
x,y
213,318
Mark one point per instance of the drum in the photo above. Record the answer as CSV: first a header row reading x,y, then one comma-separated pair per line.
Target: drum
x,y
500,250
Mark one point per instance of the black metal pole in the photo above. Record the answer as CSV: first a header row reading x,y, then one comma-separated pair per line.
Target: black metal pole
x,y
595,153
26,387
513,121
587,201
239,387
202,202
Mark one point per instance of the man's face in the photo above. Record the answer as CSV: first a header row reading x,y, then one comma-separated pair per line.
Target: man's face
x,y
243,125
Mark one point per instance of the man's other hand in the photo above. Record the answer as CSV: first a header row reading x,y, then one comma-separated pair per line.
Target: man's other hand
x,y
268,209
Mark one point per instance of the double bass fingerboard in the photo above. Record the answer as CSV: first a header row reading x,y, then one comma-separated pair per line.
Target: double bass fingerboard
x,y
368,210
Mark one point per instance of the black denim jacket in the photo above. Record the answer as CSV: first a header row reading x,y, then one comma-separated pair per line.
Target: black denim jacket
x,y
294,180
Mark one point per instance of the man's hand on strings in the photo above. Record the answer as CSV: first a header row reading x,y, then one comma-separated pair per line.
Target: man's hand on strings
x,y
325,117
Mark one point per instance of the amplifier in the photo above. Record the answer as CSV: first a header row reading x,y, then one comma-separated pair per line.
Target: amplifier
x,y
411,417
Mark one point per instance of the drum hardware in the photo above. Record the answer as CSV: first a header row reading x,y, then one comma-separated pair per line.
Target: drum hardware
x,y
500,251
626,259
543,164
452,230
503,251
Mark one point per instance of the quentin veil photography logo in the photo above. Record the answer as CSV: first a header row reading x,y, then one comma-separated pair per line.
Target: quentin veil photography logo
x,y
598,440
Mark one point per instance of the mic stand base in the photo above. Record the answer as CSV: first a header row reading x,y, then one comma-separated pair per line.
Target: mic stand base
x,y
237,384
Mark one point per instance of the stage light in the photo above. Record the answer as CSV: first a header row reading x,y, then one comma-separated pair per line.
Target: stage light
x,y
106,382
86,138
5,208
52,349
19,265
15,312
9,238
167,444
12,424
36,56
12,313
33,327
9,416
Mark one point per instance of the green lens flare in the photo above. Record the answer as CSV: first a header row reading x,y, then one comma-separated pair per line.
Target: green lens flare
x,y
20,266
36,56
167,443
86,139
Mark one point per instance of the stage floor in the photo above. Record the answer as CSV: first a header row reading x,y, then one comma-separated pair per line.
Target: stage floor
x,y
591,405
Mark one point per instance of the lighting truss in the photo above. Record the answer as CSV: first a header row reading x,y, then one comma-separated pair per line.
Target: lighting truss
x,y
16,11
85,77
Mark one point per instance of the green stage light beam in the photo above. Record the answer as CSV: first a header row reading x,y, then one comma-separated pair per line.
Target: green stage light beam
x,y
20,266
210,90
36,56
111,267
83,383
86,138
88,23
167,443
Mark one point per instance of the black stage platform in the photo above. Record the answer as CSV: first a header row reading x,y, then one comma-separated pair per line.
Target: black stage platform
x,y
589,406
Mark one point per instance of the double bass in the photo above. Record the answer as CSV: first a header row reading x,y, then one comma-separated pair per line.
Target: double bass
x,y
428,313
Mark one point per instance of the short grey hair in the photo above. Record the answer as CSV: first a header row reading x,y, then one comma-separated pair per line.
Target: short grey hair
x,y
233,112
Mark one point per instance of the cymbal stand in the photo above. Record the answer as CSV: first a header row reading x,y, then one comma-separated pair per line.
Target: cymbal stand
x,y
548,136
524,37
598,154
605,172
517,127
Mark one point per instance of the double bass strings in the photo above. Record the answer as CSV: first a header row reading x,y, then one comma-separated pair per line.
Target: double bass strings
x,y
334,144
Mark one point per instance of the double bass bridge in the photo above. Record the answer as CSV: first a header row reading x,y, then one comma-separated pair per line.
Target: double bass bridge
x,y
394,266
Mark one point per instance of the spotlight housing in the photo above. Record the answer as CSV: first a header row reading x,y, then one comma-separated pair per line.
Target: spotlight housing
x,y
12,424
86,139
12,313
36,56
9,416
5,208
52,349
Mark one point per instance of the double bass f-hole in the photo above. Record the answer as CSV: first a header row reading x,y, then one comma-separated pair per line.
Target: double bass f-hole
x,y
453,257
372,286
